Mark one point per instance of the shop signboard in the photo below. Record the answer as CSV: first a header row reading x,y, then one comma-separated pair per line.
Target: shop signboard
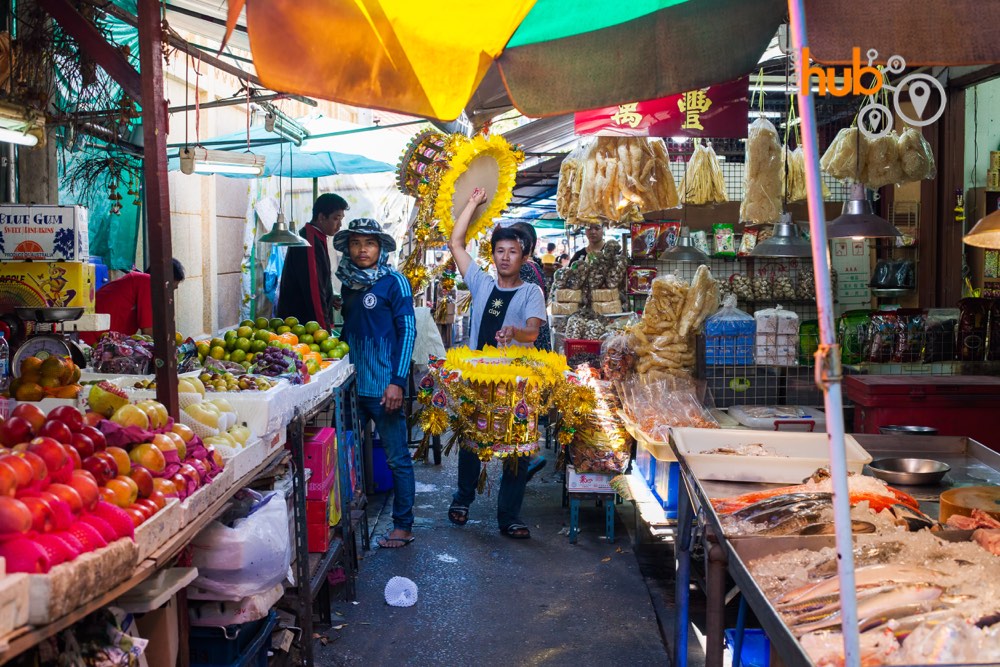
x,y
717,111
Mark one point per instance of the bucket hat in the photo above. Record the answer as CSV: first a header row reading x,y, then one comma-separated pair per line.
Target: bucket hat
x,y
365,226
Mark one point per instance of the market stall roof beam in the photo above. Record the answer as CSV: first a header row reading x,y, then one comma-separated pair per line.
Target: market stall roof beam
x,y
94,45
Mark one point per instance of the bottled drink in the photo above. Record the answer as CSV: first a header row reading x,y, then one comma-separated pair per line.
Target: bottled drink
x,y
4,362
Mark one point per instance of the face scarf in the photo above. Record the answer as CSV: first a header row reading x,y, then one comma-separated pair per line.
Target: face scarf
x,y
351,275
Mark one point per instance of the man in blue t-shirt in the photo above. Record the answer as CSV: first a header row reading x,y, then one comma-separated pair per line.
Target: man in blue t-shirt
x,y
379,327
505,311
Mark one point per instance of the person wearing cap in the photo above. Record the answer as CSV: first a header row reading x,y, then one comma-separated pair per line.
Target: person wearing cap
x,y
306,290
505,311
379,327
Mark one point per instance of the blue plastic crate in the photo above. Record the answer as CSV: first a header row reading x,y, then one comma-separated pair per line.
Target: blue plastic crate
x,y
729,350
666,485
381,474
756,649
242,645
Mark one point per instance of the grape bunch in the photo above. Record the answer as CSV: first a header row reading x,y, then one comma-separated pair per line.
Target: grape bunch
x,y
275,361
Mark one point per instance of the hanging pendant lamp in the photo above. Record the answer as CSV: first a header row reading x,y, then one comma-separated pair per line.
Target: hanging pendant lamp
x,y
787,241
281,235
986,232
859,221
685,251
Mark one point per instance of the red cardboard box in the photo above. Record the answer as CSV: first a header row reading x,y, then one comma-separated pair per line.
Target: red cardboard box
x,y
318,511
320,451
318,537
319,488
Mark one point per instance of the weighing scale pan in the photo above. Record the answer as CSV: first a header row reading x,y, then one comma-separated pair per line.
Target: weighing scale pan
x,y
48,315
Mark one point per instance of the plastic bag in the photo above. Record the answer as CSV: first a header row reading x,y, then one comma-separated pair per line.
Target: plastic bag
x,y
624,177
847,156
881,336
852,330
725,239
617,357
882,166
570,179
777,337
762,186
249,558
703,179
729,335
916,158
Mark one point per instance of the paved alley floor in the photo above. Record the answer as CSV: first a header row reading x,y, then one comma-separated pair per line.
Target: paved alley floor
x,y
488,600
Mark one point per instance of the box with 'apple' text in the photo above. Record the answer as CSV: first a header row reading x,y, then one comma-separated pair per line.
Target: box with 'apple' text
x,y
47,285
43,233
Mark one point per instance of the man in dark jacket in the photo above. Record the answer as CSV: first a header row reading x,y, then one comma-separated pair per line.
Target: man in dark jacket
x,y
306,291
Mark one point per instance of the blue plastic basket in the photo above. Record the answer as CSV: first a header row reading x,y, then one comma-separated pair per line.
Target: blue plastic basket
x,y
241,645
756,649
665,486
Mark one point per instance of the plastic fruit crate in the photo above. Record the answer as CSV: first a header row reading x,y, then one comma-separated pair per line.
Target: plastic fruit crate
x,y
239,645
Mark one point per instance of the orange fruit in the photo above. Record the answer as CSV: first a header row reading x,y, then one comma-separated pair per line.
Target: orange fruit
x,y
29,391
31,365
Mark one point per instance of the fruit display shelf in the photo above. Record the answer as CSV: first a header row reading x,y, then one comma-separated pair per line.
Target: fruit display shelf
x,y
124,580
154,531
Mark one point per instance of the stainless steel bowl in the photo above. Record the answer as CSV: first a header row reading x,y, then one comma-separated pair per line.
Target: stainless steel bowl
x,y
909,471
897,429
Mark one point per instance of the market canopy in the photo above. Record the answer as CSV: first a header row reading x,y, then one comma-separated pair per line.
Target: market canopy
x,y
283,158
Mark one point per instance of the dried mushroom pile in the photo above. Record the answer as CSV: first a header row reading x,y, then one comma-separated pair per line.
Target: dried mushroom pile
x,y
589,289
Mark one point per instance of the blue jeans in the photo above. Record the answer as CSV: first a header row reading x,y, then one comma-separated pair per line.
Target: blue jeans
x,y
391,427
512,486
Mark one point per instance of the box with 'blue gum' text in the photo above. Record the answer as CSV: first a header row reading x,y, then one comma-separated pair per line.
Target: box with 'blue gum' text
x,y
43,233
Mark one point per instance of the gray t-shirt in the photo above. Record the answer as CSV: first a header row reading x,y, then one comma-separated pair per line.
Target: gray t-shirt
x,y
526,303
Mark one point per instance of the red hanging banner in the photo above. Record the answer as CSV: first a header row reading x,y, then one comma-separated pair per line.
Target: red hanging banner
x,y
719,111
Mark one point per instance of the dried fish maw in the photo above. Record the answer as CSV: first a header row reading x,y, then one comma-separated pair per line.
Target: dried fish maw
x,y
915,156
847,155
883,167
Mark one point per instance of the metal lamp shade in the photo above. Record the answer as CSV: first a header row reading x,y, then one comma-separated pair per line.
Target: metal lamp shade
x,y
787,241
685,251
858,220
280,234
986,232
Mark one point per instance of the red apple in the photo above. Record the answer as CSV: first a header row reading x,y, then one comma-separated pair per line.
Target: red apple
x,y
146,511
158,499
181,482
68,415
143,479
83,445
8,480
23,471
30,413
68,494
96,436
51,451
15,430
72,463
57,431
43,517
15,517
191,473
137,515
40,471
150,506
64,517
92,418
74,456
110,460
200,467
100,469
86,486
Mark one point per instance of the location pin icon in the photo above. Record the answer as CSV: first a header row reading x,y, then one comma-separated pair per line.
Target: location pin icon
x,y
920,92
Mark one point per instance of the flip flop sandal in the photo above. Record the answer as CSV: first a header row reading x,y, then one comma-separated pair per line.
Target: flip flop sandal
x,y
400,542
516,531
458,515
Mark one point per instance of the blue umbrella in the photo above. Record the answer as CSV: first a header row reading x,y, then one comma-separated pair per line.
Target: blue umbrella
x,y
283,158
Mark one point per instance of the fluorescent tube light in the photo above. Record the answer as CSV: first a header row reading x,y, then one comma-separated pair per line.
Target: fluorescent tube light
x,y
204,161
15,137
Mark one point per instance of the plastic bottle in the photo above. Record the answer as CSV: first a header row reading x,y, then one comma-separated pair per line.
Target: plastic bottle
x,y
4,362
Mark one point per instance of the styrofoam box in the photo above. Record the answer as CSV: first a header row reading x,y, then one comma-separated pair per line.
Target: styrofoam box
x,y
740,414
588,482
152,533
195,505
14,598
797,455
65,587
247,458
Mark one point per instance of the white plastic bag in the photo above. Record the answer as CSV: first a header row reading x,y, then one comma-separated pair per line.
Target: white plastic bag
x,y
248,559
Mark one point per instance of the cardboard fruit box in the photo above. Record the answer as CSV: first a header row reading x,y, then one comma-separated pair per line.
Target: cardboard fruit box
x,y
43,233
47,285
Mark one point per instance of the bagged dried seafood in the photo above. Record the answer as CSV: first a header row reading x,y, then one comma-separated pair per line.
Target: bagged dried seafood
x,y
882,166
703,180
762,187
847,156
915,156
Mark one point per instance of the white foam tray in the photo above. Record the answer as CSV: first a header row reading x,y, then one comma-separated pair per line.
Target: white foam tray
x,y
159,528
14,602
797,455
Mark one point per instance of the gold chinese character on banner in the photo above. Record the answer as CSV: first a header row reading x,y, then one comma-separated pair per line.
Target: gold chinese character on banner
x,y
627,115
693,103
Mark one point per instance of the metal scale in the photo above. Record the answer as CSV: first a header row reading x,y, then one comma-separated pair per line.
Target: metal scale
x,y
35,332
